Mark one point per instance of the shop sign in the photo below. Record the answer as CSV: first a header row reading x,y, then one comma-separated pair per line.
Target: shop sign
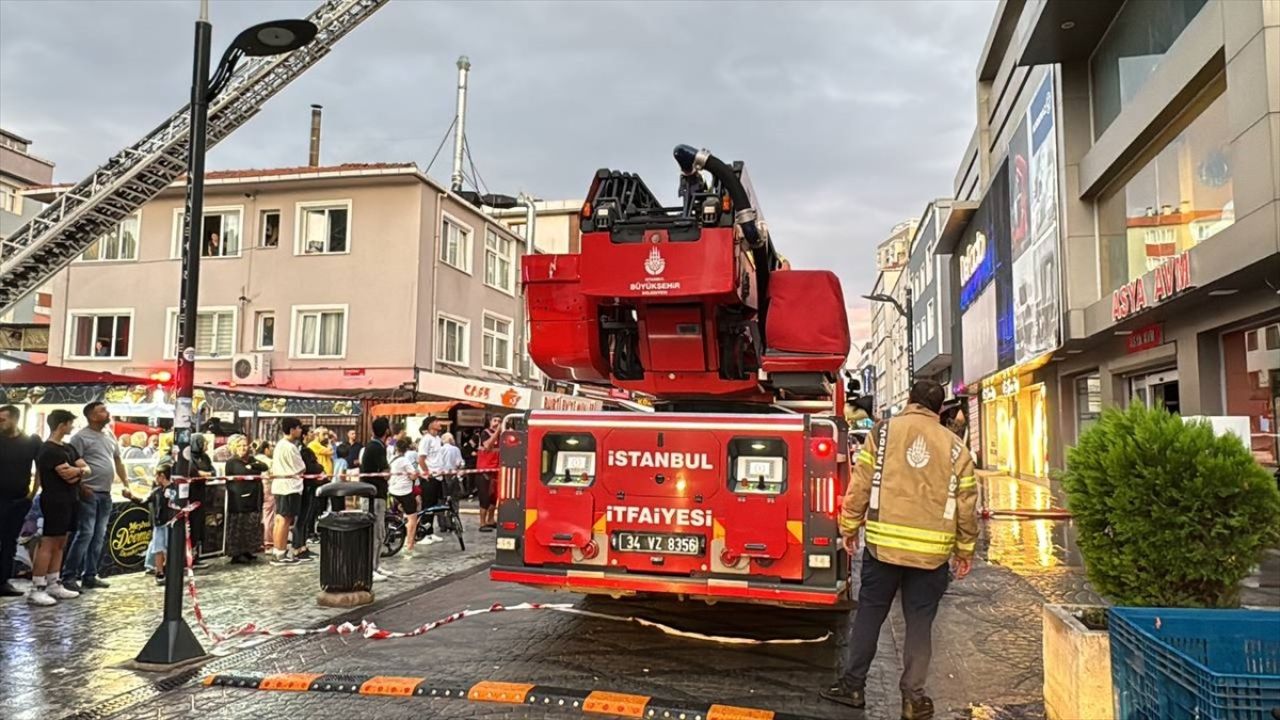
x,y
570,403
1145,338
1128,299
129,536
353,372
1006,387
1171,278
481,391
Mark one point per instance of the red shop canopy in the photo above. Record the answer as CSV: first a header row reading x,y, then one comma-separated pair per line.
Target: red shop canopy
x,y
35,374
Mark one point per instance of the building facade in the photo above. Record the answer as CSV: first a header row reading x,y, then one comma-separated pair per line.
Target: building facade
x,y
20,170
1126,244
371,280
888,326
556,228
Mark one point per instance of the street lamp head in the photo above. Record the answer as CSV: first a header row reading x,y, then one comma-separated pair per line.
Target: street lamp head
x,y
878,297
276,37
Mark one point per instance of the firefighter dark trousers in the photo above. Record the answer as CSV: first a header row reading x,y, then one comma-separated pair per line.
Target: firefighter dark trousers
x,y
921,592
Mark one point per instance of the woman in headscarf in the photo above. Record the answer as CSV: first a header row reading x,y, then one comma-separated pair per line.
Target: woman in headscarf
x,y
244,501
201,468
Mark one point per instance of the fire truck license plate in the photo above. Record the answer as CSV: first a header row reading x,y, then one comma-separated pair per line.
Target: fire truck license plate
x,y
666,543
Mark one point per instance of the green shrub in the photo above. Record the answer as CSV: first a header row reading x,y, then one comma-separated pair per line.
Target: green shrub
x,y
1168,514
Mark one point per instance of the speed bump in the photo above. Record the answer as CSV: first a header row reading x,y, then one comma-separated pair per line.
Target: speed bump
x,y
580,702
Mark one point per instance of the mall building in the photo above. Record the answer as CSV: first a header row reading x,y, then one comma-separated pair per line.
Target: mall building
x,y
1120,212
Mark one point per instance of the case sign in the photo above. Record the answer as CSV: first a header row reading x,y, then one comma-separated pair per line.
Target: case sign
x,y
1171,278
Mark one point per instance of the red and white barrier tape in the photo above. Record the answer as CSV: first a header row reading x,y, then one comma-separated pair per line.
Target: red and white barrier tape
x,y
369,630
338,477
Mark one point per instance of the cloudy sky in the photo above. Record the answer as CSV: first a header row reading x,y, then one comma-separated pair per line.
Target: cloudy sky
x,y
850,115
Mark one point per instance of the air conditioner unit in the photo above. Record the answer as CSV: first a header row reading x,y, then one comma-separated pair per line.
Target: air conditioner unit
x,y
251,369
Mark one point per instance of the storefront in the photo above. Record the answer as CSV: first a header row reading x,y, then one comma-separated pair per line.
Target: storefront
x,y
1016,424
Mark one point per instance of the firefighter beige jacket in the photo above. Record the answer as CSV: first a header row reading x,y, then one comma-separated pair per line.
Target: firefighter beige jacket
x,y
914,488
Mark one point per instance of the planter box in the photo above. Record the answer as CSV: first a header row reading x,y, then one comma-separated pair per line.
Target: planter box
x,y
1077,667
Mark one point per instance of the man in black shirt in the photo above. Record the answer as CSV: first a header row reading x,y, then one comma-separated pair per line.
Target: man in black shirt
x,y
61,472
374,460
17,456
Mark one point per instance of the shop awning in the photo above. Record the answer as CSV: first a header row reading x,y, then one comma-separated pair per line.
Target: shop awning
x,y
419,408
29,373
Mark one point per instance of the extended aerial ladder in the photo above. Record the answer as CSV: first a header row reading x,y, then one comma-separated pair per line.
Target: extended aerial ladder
x,y
65,229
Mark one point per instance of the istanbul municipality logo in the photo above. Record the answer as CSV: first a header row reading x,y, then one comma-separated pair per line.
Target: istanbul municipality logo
x,y
654,264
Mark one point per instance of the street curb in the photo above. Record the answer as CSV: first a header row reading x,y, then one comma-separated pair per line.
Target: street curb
x,y
588,702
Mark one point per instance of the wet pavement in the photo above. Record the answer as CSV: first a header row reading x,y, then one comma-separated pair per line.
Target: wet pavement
x,y
58,660
986,665
986,661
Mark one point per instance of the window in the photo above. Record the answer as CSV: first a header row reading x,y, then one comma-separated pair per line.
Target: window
x,y
928,322
497,261
1179,199
215,334
1251,340
264,330
120,243
99,334
1088,402
1131,50
269,232
323,228
319,332
496,343
8,199
451,340
1273,337
220,236
455,244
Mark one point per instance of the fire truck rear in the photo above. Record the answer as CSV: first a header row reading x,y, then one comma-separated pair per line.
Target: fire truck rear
x,y
730,490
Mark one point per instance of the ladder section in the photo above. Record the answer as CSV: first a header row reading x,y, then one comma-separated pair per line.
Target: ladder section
x,y
65,229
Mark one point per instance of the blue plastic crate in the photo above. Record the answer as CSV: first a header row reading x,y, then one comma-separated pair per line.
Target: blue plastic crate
x,y
1171,664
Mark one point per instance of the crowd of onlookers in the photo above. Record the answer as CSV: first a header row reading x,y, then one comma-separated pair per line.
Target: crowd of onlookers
x,y
65,482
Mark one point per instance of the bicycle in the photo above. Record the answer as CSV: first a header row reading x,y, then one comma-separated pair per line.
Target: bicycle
x,y
446,516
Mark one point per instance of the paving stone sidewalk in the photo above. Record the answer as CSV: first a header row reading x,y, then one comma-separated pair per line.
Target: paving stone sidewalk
x,y
58,660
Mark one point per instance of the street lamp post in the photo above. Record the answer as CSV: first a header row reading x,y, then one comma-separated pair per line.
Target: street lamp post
x,y
173,642
907,314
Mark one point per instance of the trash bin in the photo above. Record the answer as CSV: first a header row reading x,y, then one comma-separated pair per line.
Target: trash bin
x,y
346,549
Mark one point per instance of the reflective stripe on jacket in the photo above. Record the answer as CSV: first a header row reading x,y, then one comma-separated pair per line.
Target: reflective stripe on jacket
x,y
925,506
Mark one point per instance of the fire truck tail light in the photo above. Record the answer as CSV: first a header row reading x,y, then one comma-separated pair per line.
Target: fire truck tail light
x,y
506,543
820,562
823,447
822,541
508,526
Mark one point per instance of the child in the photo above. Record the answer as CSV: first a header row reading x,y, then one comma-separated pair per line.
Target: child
x,y
160,498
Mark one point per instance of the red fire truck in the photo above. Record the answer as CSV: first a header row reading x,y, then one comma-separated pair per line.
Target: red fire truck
x,y
731,488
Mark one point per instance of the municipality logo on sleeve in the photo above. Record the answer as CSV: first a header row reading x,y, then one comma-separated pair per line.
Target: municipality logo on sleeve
x,y
654,264
918,453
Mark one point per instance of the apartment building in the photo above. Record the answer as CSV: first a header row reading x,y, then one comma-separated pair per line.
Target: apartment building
x,y
888,326
929,279
556,228
1126,242
26,322
364,279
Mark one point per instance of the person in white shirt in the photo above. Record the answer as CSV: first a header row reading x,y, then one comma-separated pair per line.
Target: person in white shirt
x,y
404,474
431,471
287,468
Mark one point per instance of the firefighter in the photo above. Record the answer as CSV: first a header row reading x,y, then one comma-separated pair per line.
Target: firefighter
x,y
913,489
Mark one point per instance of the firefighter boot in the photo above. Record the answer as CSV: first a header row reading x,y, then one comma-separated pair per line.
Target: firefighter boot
x,y
840,693
919,709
